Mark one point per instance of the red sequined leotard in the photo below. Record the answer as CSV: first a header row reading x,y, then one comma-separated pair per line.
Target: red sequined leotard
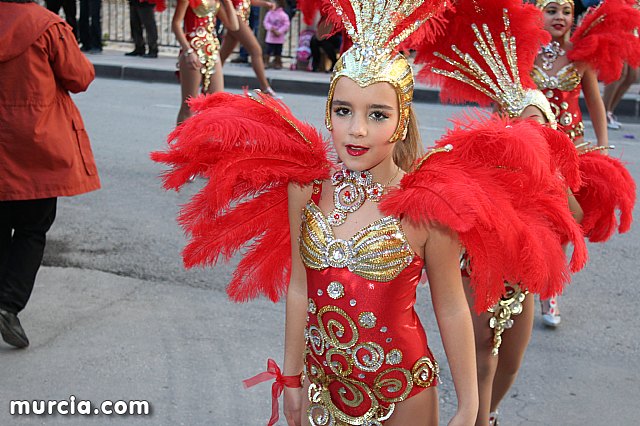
x,y
563,92
201,35
365,346
243,9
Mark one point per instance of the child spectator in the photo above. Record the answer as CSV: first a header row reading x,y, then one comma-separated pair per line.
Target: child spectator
x,y
276,23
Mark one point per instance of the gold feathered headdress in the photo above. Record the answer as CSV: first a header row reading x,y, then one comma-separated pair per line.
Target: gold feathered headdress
x,y
377,28
544,3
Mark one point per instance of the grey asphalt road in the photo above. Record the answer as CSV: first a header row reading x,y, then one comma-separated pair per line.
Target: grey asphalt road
x,y
114,316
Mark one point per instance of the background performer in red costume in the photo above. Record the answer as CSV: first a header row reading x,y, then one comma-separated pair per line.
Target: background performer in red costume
x,y
604,41
199,67
485,55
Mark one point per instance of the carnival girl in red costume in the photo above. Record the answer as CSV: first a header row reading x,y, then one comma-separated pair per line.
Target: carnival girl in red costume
x,y
605,40
200,70
348,242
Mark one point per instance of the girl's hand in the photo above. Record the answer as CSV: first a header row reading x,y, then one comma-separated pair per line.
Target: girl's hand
x,y
463,418
293,406
192,61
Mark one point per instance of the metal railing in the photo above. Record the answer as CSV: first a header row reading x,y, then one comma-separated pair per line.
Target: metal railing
x,y
116,26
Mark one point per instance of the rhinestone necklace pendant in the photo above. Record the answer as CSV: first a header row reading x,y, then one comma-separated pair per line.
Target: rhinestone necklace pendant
x,y
550,53
351,190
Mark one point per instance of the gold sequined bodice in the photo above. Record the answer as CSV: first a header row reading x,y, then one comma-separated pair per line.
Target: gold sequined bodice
x,y
563,93
377,252
567,78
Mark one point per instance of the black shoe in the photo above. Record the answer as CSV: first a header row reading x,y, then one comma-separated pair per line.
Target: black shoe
x,y
11,330
85,48
95,50
135,53
150,55
240,60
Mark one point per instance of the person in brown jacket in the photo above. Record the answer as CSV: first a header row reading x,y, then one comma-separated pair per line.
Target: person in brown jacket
x,y
44,148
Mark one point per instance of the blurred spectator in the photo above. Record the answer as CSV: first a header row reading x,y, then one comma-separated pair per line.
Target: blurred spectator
x,y
142,15
321,43
614,92
276,23
44,149
303,51
90,29
69,7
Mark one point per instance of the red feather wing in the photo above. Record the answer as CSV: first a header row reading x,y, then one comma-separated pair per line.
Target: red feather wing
x,y
249,148
496,189
607,38
607,188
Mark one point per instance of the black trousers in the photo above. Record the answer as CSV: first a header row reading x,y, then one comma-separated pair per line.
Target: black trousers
x,y
23,229
141,15
90,28
69,7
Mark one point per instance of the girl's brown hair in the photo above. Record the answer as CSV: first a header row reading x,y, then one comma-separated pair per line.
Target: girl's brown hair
x,y
409,149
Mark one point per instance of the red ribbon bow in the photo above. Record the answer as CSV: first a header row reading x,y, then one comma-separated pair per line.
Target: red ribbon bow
x,y
273,372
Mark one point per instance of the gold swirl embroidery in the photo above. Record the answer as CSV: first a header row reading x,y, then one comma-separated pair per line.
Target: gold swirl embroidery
x,y
372,358
352,393
424,372
342,368
316,340
393,389
344,359
334,331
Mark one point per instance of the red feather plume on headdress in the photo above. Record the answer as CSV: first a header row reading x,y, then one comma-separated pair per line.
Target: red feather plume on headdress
x,y
430,11
497,191
607,187
526,26
607,38
249,150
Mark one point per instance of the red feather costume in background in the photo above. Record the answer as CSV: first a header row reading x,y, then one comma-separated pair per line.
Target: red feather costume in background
x,y
599,29
605,40
479,60
482,80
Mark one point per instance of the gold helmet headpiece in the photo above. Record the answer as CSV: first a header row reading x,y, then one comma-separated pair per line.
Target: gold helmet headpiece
x,y
541,4
377,27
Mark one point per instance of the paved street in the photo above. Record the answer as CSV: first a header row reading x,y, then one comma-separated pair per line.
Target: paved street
x,y
114,316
